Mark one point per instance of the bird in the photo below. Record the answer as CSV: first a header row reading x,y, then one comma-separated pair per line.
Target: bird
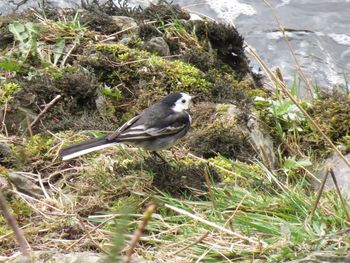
x,y
158,127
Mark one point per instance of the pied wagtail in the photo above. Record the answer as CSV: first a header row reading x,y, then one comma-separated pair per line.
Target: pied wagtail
x,y
156,128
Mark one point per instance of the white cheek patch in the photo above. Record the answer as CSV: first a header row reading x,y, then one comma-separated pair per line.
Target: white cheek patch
x,y
181,106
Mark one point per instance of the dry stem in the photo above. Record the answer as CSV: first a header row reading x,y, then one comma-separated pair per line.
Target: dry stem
x,y
23,244
138,233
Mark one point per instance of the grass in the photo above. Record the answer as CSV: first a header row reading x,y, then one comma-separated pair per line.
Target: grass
x,y
235,221
96,202
278,218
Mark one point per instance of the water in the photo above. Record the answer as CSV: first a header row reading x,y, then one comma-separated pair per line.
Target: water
x,y
317,30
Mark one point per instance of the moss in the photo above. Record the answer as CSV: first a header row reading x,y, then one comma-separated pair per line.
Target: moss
x,y
21,209
76,109
199,58
235,171
39,145
182,76
177,74
181,177
333,115
217,130
219,137
227,42
4,228
258,93
164,12
7,91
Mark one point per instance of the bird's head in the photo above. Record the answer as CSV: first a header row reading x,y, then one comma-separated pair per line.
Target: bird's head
x,y
178,101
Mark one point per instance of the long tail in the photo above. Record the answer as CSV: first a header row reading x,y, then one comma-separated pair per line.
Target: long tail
x,y
82,148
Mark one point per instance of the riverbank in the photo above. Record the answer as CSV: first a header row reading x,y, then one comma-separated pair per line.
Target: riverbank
x,y
238,187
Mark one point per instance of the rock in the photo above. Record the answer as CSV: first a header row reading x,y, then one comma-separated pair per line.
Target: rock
x,y
4,185
262,143
74,257
128,24
25,185
57,257
5,151
158,45
341,171
219,129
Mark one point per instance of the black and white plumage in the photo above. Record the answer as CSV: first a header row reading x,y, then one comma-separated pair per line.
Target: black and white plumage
x,y
156,128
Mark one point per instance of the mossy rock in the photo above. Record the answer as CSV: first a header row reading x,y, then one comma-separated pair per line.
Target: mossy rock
x,y
219,129
332,113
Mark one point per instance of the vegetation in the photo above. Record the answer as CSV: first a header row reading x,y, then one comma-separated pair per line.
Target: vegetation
x,y
222,196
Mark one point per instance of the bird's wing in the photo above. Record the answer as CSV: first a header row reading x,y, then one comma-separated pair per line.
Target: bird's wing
x,y
125,126
139,134
171,124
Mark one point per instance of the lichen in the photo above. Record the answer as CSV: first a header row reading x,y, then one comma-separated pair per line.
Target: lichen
x,y
7,90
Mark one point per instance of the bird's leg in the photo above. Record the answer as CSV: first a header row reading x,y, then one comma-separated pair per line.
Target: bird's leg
x,y
159,156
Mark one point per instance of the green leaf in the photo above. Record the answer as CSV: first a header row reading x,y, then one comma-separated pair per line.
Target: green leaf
x,y
10,64
58,50
17,29
31,28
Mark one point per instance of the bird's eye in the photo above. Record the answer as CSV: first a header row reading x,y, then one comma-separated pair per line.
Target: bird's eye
x,y
183,101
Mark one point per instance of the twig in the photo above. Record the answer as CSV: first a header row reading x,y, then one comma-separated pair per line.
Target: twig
x,y
23,244
3,124
42,186
218,227
68,54
192,244
320,191
138,233
343,203
29,127
229,220
11,232
112,36
88,233
47,107
207,180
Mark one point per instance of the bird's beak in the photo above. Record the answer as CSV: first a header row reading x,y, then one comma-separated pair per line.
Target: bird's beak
x,y
196,96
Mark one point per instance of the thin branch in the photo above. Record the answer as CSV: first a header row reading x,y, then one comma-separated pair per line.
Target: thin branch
x,y
47,107
343,203
138,233
112,36
192,244
11,220
89,232
320,191
216,226
210,191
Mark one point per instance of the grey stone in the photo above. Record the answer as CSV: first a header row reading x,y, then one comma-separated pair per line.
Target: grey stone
x,y
262,142
341,171
25,185
74,257
128,24
57,257
158,45
5,151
